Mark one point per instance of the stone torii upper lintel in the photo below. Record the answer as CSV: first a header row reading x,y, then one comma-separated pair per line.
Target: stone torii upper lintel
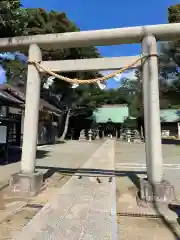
x,y
116,36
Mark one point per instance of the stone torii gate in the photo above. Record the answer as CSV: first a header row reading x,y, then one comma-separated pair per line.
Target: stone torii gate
x,y
147,35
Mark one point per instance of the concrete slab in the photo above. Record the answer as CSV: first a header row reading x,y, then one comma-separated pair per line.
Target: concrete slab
x,y
71,154
131,158
75,210
11,209
151,222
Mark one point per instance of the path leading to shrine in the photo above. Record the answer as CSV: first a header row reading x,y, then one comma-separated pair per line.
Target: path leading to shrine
x,y
84,208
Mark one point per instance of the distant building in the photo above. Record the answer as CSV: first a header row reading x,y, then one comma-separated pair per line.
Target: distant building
x,y
110,118
170,122
15,108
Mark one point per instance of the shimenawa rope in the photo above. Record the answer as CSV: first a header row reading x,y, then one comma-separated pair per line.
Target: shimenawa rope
x,y
84,81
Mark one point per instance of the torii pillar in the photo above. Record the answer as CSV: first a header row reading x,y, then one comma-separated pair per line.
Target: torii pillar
x,y
28,181
154,188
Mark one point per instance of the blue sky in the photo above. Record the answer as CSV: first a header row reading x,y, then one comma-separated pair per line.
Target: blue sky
x,y
100,14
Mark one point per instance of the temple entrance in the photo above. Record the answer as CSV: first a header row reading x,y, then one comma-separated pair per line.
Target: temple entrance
x,y
110,119
148,60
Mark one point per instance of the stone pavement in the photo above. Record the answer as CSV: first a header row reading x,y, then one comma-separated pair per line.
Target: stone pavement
x,y
131,158
130,162
72,154
83,208
51,159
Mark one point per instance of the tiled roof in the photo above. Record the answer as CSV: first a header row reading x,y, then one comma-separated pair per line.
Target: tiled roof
x,y
111,113
19,93
170,115
117,114
8,98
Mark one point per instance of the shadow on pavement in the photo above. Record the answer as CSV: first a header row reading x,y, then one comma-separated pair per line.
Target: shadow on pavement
x,y
14,155
108,173
84,172
54,143
176,208
171,141
165,221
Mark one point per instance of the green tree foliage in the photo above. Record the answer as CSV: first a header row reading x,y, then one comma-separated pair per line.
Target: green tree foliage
x,y
82,99
42,22
12,19
170,62
171,50
15,70
174,13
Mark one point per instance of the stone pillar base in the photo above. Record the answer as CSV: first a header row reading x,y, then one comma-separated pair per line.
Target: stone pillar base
x,y
26,185
159,193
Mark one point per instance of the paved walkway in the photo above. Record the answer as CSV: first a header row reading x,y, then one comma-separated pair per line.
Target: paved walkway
x,y
131,164
72,154
82,208
131,158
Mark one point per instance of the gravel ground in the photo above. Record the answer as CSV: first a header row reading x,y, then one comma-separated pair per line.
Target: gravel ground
x,y
140,228
132,228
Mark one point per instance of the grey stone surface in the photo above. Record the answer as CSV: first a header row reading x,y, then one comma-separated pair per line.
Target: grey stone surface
x,y
131,165
131,158
81,209
162,192
11,209
72,154
82,136
26,185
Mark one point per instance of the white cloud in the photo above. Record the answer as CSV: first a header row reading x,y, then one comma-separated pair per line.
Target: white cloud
x,y
130,74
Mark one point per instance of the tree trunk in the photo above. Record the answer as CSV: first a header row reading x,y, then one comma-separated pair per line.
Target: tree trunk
x,y
66,125
60,125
